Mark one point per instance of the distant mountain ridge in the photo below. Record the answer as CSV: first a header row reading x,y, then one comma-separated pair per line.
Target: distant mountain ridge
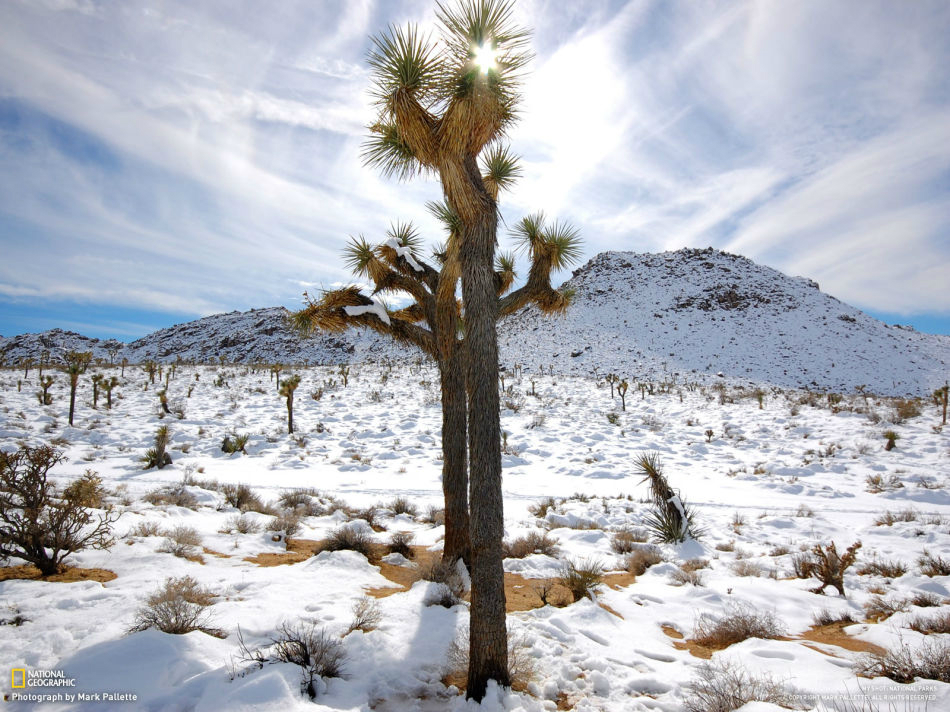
x,y
692,314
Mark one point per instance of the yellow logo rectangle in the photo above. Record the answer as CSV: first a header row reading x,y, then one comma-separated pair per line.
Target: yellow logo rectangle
x,y
13,682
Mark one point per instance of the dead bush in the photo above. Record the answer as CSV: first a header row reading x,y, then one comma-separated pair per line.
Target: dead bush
x,y
879,608
145,529
178,607
828,566
242,497
681,577
442,595
181,541
826,617
438,571
638,561
86,491
582,578
723,686
172,495
747,568
366,616
522,666
889,518
541,509
401,543
286,523
740,623
939,623
931,565
402,505
302,502
925,599
624,540
242,524
695,564
531,543
37,523
434,516
930,661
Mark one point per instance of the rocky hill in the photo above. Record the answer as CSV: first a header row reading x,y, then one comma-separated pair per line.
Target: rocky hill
x,y
698,314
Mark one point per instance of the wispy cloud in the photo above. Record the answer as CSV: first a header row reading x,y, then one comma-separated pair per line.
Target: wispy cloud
x,y
185,156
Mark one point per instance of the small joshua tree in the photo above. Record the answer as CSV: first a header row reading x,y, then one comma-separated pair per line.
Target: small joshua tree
x,y
108,385
38,523
27,364
275,372
828,566
892,439
151,368
76,365
940,399
163,399
97,380
287,389
44,395
622,392
671,518
156,456
612,378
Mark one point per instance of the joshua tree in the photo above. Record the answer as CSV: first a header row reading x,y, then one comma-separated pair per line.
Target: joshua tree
x,y
612,378
287,388
44,397
940,398
97,380
151,368
275,371
157,456
44,361
622,391
76,365
27,364
108,385
125,362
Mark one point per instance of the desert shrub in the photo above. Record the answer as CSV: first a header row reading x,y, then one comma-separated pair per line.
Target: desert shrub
x,y
233,443
826,617
930,661
303,502
180,606
925,599
350,539
402,505
695,564
726,545
891,437
242,497
242,524
318,653
366,616
582,579
878,483
442,572
828,566
435,516
638,561
878,608
935,624
723,686
531,543
286,522
882,567
157,456
173,495
144,529
740,623
624,540
931,565
780,550
905,409
39,525
181,541
401,543
86,491
442,595
541,509
370,515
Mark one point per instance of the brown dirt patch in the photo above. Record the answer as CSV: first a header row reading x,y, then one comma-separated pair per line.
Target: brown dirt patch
x,y
671,632
212,552
71,574
403,576
833,634
297,550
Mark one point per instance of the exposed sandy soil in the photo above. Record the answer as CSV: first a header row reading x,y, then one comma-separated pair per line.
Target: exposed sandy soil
x,y
71,574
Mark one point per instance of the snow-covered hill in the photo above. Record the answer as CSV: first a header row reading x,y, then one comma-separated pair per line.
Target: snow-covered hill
x,y
692,313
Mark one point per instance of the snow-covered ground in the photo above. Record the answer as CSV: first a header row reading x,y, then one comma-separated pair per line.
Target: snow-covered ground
x,y
766,483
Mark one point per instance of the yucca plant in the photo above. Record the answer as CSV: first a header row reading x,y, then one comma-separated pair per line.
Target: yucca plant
x,y
76,364
43,395
97,379
670,518
108,385
157,456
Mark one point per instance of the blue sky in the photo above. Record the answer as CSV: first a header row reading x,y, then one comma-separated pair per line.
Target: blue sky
x,y
161,161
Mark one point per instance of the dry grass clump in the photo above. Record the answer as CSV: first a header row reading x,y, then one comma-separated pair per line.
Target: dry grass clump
x,y
747,568
682,577
925,599
939,623
402,505
638,561
728,546
780,550
181,541
178,607
286,523
434,516
882,567
826,617
531,543
370,515
350,539
582,579
740,623
145,529
723,686
302,502
930,661
172,495
879,608
695,564
878,483
522,666
931,565
541,509
624,541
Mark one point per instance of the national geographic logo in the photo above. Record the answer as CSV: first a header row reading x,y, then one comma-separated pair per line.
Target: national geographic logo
x,y
46,686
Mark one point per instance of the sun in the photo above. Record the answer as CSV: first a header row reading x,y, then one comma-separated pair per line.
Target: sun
x,y
486,57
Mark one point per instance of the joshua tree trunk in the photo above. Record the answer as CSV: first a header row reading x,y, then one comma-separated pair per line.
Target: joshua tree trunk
x,y
455,459
290,413
488,653
73,382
